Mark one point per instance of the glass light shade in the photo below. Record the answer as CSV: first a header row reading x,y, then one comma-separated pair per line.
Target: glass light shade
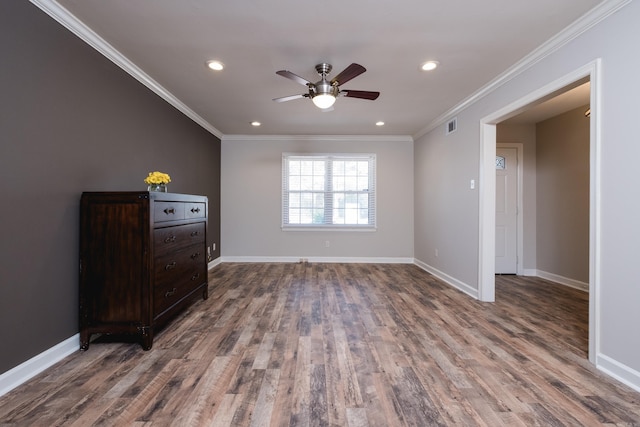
x,y
324,101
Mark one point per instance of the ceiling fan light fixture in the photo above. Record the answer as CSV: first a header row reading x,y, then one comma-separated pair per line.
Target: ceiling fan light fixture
x,y
324,101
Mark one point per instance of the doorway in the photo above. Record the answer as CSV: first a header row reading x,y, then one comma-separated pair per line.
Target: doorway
x,y
487,243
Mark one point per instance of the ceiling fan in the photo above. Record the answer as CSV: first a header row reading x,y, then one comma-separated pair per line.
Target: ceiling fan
x,y
324,92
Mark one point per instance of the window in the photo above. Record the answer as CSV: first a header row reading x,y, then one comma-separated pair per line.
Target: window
x,y
328,191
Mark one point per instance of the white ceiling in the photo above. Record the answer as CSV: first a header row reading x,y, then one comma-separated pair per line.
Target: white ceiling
x,y
473,41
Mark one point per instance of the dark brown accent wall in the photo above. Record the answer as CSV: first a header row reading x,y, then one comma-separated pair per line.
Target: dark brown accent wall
x,y
72,121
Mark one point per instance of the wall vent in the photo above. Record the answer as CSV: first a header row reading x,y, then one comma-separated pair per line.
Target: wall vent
x,y
452,126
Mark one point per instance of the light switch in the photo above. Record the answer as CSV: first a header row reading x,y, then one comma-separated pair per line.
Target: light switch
x,y
472,184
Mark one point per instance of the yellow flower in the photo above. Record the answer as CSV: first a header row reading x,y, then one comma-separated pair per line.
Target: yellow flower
x,y
157,178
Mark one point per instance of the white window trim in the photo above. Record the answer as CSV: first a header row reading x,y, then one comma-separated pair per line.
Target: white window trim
x,y
370,157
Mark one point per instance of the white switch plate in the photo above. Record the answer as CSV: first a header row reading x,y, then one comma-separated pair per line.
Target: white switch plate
x,y
472,184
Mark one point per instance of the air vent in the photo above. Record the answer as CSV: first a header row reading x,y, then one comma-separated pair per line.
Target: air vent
x,y
452,126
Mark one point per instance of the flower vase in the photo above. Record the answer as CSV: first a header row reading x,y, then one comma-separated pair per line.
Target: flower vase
x,y
162,188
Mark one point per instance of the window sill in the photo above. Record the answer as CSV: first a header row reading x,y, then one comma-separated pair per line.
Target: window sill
x,y
367,228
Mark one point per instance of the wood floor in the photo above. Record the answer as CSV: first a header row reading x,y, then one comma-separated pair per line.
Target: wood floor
x,y
341,345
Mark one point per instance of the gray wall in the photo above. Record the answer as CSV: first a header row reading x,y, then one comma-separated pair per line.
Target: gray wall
x,y
252,195
563,195
71,121
446,217
451,210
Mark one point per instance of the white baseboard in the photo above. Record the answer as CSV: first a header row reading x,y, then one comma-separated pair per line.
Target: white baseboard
x,y
620,372
32,367
213,263
461,286
572,283
320,260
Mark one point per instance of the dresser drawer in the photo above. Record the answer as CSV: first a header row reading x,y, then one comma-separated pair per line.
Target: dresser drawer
x,y
169,239
166,296
168,211
195,210
178,264
172,287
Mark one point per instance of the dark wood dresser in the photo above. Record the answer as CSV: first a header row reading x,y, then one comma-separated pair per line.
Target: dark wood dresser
x,y
142,259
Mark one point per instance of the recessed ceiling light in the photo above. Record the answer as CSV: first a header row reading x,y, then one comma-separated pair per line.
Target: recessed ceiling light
x,y
255,123
429,65
215,65
379,123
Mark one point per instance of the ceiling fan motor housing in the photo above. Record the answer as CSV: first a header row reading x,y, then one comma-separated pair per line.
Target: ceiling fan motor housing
x,y
323,87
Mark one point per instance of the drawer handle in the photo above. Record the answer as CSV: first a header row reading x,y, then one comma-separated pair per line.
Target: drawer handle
x,y
170,266
170,293
195,276
194,233
195,256
170,239
170,211
195,210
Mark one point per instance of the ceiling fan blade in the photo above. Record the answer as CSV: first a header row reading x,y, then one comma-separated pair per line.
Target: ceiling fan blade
x,y
362,94
291,97
294,77
353,70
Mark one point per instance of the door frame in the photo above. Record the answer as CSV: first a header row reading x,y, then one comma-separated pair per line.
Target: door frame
x,y
519,203
486,253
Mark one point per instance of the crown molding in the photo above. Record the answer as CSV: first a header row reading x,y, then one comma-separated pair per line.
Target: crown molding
x,y
320,138
578,27
86,34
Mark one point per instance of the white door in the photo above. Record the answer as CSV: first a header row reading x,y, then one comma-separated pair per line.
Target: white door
x,y
506,210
